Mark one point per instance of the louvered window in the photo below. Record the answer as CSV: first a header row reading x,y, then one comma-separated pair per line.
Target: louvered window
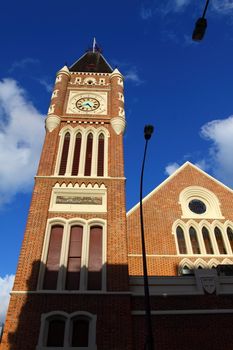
x,y
80,332
194,240
181,240
100,162
95,259
88,160
64,156
76,159
220,242
53,258
74,258
207,241
56,332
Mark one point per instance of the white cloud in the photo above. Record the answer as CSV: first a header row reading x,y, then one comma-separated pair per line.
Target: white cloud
x,y
223,6
146,12
21,136
171,168
220,133
132,75
48,86
23,63
6,284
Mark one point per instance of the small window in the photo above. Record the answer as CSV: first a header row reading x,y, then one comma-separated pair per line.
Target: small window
x,y
56,332
88,155
230,236
80,332
207,241
100,162
64,156
95,259
53,258
181,240
194,240
76,159
197,206
220,242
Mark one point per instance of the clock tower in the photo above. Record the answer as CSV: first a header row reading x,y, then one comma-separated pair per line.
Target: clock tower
x,y
71,286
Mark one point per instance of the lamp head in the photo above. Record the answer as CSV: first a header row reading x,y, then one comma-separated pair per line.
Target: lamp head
x,y
148,130
199,30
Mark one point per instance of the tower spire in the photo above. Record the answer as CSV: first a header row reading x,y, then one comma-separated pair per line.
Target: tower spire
x,y
94,45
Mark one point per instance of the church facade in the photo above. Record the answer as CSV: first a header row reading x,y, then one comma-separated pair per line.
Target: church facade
x,y
79,281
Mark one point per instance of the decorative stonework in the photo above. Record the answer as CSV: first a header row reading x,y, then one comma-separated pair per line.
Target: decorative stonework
x,y
51,109
209,199
118,124
51,122
121,112
79,198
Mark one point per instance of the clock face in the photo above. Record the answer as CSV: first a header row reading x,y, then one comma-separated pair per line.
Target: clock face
x,y
87,104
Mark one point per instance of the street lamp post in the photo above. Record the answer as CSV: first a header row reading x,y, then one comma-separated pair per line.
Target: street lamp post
x,y
149,344
200,26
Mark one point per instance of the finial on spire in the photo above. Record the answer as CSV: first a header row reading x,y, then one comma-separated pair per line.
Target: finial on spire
x,y
95,46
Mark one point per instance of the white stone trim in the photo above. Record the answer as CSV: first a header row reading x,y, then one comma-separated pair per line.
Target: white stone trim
x,y
184,312
84,132
206,196
86,224
78,191
75,95
198,227
193,265
167,180
68,329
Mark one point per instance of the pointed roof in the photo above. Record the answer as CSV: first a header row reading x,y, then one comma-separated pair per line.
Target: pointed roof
x,y
173,175
91,61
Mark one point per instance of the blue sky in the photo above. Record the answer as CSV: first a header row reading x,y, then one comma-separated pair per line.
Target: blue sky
x,y
183,88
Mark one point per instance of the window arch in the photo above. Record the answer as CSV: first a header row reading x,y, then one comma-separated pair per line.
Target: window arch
x,y
76,157
204,238
194,240
64,155
181,240
83,152
100,161
61,330
79,261
220,241
230,236
207,241
53,257
88,158
199,202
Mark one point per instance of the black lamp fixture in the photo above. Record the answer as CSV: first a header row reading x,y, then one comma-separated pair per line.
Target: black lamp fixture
x,y
200,26
149,342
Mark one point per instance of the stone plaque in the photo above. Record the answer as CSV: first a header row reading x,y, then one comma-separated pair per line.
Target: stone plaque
x,y
87,200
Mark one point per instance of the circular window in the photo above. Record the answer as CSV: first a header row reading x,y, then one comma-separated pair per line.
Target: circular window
x,y
197,206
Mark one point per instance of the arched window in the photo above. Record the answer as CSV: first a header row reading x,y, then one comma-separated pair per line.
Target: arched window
x,y
95,259
74,258
53,257
60,330
76,159
88,160
80,332
220,242
181,240
194,240
64,156
100,162
207,241
230,236
56,331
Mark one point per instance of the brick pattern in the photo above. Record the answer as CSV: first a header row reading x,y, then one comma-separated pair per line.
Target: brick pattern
x,y
158,230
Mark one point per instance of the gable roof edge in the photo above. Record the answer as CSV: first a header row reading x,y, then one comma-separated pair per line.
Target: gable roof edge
x,y
171,177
